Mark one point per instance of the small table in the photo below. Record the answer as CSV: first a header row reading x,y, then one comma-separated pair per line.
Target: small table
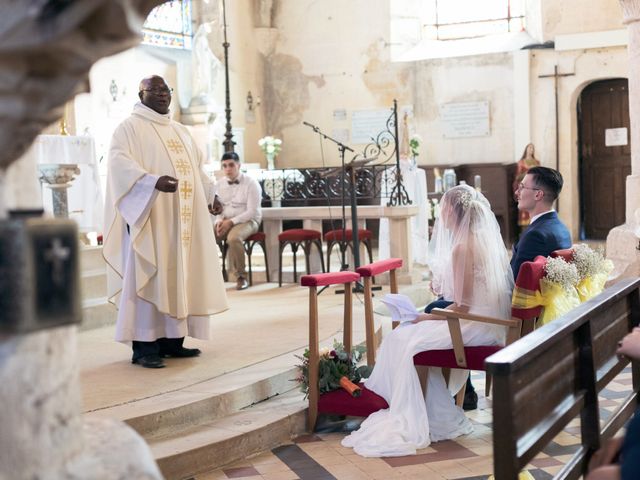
x,y
399,231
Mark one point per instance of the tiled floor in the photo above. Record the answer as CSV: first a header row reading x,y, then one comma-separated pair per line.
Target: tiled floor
x,y
321,457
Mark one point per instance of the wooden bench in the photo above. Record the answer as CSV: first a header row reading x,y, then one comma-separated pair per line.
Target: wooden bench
x,y
553,375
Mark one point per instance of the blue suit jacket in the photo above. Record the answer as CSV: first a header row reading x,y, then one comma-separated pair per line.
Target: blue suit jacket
x,y
542,237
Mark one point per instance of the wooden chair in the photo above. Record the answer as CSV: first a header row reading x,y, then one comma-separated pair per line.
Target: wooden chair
x,y
297,237
472,358
367,272
257,238
251,241
336,237
338,401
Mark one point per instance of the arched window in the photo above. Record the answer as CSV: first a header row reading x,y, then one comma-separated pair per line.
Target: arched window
x,y
169,25
458,19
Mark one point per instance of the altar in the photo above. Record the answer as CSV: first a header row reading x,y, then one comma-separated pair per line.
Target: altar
x,y
399,238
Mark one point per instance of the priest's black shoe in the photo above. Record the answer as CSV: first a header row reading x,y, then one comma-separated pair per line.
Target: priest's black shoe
x,y
149,361
181,352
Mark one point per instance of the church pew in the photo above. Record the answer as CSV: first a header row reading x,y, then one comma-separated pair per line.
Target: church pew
x,y
554,374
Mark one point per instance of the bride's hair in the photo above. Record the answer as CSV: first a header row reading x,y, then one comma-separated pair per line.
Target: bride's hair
x,y
467,256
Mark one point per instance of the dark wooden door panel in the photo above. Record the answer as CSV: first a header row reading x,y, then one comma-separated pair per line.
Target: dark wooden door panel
x,y
603,169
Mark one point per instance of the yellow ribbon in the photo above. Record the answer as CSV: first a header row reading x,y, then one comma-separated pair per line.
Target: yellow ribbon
x,y
591,286
556,300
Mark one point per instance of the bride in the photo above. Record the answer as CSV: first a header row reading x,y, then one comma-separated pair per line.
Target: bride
x,y
470,267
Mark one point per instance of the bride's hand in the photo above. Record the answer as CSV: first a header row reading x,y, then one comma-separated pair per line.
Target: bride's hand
x,y
425,316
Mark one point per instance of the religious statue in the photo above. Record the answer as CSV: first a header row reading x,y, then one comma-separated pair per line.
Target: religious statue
x,y
205,69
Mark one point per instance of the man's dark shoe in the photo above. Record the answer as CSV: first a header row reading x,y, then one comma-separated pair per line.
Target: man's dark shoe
x,y
149,361
181,352
242,283
470,400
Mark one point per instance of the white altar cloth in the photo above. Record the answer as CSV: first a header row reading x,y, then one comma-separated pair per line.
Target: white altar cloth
x,y
415,182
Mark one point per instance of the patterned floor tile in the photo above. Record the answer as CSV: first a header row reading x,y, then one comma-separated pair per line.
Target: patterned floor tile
x,y
320,456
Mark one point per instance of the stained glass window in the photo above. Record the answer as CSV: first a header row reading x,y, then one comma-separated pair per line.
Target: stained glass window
x,y
169,25
456,19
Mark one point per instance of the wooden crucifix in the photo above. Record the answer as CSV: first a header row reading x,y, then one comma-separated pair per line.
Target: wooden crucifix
x,y
555,76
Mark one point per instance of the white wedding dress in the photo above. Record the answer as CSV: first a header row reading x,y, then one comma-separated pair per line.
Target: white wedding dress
x,y
412,422
470,266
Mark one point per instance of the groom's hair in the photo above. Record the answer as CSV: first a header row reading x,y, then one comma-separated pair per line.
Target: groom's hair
x,y
548,180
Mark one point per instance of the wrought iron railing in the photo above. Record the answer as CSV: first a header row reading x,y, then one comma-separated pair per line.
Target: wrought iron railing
x,y
323,186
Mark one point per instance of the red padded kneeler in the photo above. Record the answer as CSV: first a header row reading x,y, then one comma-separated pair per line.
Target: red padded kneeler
x,y
341,403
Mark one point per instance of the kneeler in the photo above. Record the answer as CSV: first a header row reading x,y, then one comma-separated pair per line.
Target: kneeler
x,y
472,358
338,401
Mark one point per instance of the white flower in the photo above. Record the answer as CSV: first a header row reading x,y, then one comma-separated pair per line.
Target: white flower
x,y
560,272
270,145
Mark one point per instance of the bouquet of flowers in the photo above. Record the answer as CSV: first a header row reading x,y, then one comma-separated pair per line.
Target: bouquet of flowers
x,y
334,365
593,270
558,289
270,145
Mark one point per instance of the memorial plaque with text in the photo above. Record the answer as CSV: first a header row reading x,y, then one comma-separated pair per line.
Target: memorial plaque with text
x,y
469,119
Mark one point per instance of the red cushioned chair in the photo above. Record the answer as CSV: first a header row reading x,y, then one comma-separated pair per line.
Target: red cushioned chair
x,y
338,401
336,237
367,272
472,358
297,237
251,241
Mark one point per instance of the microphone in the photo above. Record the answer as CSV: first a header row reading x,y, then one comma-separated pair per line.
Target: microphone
x,y
307,124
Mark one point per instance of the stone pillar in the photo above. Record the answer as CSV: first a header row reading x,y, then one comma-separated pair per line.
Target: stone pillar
x,y
623,242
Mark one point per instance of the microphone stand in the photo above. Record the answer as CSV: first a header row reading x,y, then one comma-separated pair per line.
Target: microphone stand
x,y
342,148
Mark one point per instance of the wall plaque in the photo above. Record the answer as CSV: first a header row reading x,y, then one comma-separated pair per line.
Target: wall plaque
x,y
367,124
469,119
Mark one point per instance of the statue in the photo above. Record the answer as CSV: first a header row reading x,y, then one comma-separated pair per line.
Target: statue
x,y
205,69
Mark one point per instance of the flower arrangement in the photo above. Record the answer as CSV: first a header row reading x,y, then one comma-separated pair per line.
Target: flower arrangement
x,y
557,293
593,270
562,273
270,145
590,262
334,364
414,144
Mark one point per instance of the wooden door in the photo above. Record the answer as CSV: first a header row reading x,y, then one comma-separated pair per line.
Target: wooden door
x,y
604,164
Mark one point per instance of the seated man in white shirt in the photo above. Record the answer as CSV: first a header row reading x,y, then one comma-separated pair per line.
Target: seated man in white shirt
x,y
240,196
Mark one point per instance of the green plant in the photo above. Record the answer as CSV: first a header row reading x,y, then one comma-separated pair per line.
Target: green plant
x,y
333,365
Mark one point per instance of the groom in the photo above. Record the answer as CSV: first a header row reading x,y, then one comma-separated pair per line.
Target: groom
x,y
536,194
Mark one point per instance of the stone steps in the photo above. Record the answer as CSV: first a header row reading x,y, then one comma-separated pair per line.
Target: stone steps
x,y
209,446
218,421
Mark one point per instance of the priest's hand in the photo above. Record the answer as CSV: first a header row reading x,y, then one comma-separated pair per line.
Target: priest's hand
x,y
167,183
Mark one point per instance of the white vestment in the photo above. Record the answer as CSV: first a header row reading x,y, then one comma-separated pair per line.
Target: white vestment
x,y
163,274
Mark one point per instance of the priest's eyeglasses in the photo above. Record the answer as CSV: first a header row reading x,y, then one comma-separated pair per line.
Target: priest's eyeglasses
x,y
158,90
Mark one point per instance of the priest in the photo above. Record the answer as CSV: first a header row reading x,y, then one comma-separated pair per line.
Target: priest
x,y
163,272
